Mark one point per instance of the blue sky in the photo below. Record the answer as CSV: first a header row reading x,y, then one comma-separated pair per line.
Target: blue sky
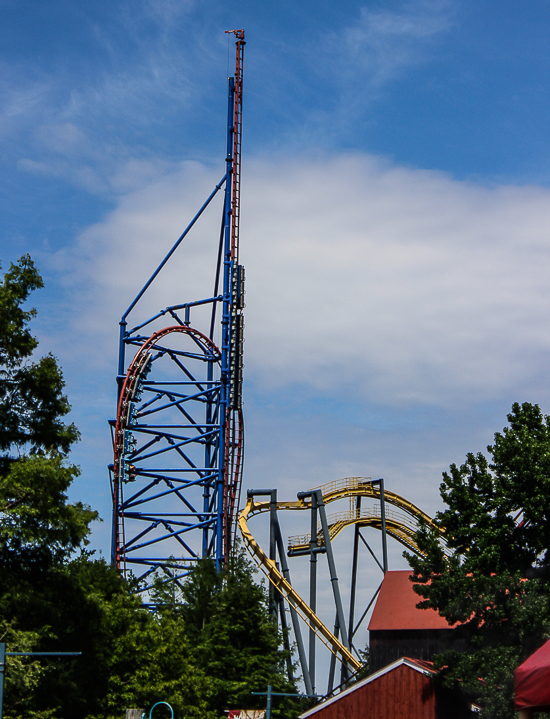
x,y
395,215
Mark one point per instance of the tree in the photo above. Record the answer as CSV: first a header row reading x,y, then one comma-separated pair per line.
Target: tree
x,y
236,641
31,401
204,650
147,657
39,528
38,523
491,577
25,674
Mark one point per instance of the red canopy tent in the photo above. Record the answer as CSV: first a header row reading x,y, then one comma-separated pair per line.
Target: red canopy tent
x,y
532,681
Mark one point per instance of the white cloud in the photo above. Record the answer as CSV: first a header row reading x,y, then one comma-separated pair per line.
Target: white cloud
x,y
395,284
99,107
19,99
381,44
359,61
38,168
63,138
403,283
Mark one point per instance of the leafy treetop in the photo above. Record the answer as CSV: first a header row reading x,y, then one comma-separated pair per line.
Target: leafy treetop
x,y
492,577
32,403
36,519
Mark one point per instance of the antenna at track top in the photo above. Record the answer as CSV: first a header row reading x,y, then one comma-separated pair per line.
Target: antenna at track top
x,y
237,135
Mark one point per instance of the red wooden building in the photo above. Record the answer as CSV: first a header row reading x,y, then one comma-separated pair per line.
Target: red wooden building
x,y
398,629
403,690
403,640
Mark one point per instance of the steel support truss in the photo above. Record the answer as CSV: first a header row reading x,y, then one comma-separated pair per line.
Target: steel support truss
x,y
178,436
400,521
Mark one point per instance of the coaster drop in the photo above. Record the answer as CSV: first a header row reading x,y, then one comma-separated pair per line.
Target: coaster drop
x,y
178,436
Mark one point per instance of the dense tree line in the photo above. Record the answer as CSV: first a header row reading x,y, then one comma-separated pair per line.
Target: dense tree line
x,y
212,642
205,649
492,579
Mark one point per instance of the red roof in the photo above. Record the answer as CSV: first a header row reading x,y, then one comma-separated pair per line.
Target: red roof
x,y
532,680
395,607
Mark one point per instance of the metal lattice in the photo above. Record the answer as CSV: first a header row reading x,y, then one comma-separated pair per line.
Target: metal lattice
x,y
178,436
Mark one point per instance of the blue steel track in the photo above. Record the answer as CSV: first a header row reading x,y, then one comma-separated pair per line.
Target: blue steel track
x,y
178,436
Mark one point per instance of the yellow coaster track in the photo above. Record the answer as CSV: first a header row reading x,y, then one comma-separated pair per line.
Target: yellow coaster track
x,y
400,524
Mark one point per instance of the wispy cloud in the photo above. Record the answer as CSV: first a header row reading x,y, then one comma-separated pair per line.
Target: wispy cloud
x,y
364,279
362,58
382,44
19,100
149,68
96,114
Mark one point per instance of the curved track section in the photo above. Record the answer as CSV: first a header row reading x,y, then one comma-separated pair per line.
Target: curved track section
x,y
401,522
168,478
397,526
270,569
401,525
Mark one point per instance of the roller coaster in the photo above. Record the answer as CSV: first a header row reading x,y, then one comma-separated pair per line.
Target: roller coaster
x,y
400,521
178,436
178,446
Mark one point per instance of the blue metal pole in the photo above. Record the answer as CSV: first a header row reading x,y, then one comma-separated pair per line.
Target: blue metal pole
x,y
116,488
209,456
269,702
121,347
226,326
174,248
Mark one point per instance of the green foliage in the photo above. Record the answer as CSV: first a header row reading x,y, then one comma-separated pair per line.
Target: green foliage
x,y
32,404
38,523
37,519
235,641
150,659
204,650
240,645
65,608
16,342
39,528
198,599
365,669
130,656
495,579
23,675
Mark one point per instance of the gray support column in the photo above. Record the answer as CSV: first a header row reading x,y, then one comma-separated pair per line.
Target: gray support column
x,y
272,493
286,641
384,535
332,569
293,612
272,548
331,565
354,571
332,669
313,586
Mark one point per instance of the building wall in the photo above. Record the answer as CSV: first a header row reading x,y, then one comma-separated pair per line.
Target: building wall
x,y
386,646
402,693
